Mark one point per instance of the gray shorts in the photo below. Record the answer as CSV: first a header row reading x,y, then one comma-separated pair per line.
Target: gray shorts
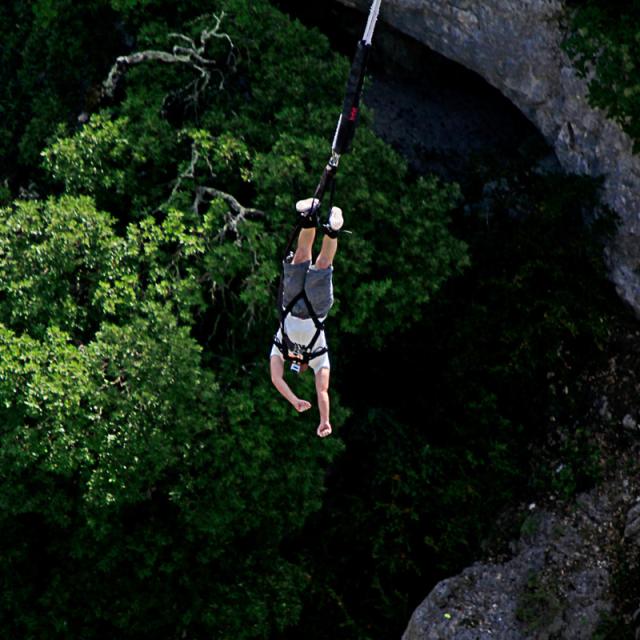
x,y
317,284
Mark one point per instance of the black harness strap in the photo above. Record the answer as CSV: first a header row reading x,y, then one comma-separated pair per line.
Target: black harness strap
x,y
306,352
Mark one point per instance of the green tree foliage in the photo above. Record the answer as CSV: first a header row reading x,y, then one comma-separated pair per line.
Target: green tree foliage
x,y
150,474
605,46
95,160
54,55
134,464
52,256
54,58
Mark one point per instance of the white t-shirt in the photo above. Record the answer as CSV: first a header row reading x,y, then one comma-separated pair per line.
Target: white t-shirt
x,y
301,331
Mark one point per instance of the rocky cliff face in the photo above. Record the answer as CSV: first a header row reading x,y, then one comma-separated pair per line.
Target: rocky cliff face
x,y
556,585
516,46
572,574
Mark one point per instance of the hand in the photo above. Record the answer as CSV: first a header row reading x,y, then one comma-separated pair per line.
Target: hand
x,y
301,405
324,429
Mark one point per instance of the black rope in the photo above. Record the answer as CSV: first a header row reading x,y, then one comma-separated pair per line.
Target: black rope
x,y
332,193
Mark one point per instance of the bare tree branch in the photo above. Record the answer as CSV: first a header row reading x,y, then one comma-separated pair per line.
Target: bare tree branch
x,y
237,214
189,174
190,54
233,218
241,213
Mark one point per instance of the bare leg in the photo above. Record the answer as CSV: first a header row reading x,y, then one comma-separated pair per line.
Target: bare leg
x,y
305,245
327,252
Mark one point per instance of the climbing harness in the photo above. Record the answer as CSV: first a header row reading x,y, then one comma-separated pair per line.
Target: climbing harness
x,y
341,144
295,353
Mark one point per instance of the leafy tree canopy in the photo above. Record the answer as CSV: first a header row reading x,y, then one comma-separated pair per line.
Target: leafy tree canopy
x,y
146,462
605,46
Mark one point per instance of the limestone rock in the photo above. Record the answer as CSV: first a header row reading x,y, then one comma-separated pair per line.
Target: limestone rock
x,y
516,46
556,585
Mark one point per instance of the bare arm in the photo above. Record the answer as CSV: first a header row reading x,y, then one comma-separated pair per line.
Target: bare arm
x,y
322,390
277,377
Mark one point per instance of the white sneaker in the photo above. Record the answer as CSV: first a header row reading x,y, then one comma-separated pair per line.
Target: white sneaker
x,y
336,220
307,206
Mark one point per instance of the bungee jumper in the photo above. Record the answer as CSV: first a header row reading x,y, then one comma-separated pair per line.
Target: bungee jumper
x,y
305,294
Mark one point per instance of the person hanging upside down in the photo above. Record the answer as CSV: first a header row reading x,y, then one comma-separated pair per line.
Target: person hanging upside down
x,y
307,296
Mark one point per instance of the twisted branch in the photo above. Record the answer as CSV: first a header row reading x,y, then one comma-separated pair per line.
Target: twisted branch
x,y
190,174
232,221
205,194
190,54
